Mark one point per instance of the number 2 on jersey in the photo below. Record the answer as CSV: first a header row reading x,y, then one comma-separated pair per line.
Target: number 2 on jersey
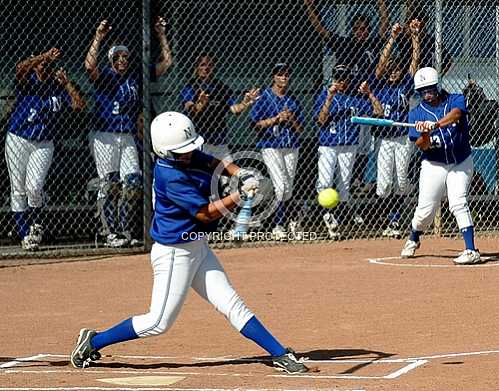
x,y
116,108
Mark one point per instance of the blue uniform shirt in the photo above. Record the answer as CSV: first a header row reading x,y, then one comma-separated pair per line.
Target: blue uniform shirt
x,y
211,123
395,101
450,144
338,129
279,135
179,195
117,102
38,105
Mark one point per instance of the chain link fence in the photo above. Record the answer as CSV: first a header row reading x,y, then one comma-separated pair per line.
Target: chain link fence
x,y
77,170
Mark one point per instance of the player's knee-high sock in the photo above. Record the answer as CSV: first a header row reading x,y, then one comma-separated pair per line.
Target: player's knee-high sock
x,y
109,210
280,214
414,235
257,332
22,224
469,237
35,215
119,333
124,215
397,202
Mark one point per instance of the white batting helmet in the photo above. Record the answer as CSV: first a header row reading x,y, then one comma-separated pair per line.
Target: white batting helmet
x,y
173,132
425,77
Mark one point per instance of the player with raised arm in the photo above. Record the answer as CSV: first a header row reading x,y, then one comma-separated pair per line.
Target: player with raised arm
x,y
180,256
338,137
117,116
42,94
393,85
442,133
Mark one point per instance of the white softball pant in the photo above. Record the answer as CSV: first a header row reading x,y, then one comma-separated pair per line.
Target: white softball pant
x,y
281,165
336,159
434,180
114,152
394,155
28,163
178,267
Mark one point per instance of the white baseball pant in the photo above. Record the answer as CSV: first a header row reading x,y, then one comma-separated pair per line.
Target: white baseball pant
x,y
332,160
435,178
394,155
28,163
281,165
177,268
114,152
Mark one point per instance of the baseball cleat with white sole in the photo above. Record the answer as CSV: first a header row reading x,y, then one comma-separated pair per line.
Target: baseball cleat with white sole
x,y
409,249
468,257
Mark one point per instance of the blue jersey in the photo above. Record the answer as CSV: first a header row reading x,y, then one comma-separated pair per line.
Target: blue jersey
x,y
37,108
211,123
117,102
338,130
279,135
395,101
449,144
179,195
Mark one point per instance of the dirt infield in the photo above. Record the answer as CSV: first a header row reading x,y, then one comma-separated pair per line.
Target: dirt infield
x,y
383,324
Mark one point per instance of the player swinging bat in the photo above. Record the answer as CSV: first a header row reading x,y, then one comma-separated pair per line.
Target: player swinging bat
x,y
180,257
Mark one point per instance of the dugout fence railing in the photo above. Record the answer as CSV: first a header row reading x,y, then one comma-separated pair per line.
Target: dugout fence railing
x,y
242,42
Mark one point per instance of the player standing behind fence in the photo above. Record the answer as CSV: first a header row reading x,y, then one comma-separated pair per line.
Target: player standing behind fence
x,y
393,86
42,93
206,100
339,138
117,107
359,52
180,255
278,121
442,133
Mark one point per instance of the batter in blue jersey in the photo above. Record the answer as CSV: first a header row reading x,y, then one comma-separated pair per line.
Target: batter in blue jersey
x,y
442,133
180,256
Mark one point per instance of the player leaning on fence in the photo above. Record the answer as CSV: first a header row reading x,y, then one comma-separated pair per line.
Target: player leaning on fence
x,y
442,133
117,111
43,92
393,85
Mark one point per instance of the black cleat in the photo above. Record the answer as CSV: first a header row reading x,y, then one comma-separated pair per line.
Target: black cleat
x,y
83,353
289,363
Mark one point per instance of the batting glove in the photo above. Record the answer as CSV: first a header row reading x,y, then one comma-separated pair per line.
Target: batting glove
x,y
425,126
248,188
